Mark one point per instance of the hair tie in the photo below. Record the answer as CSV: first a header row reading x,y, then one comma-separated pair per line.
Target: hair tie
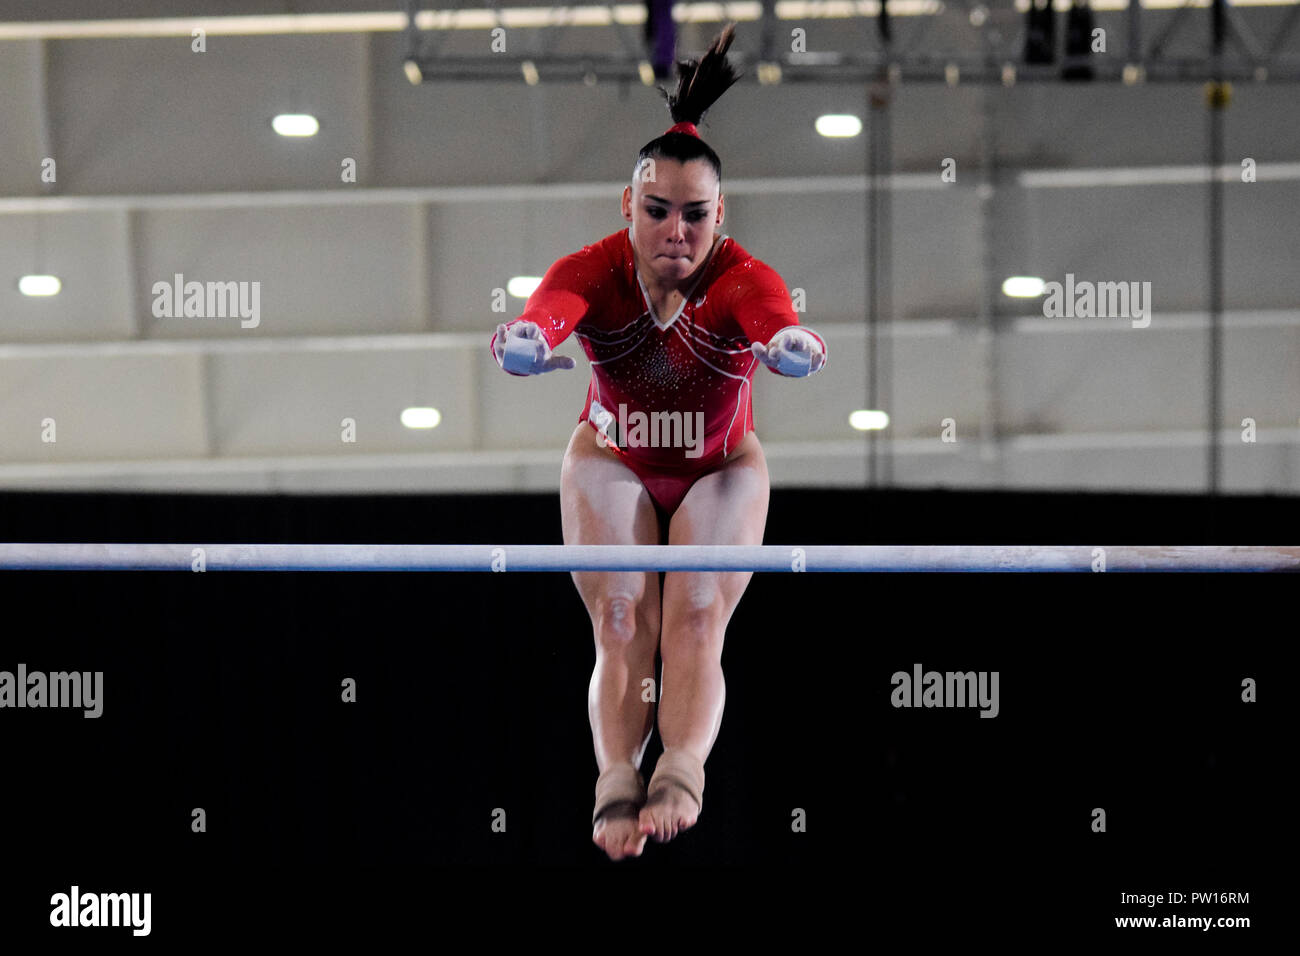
x,y
687,128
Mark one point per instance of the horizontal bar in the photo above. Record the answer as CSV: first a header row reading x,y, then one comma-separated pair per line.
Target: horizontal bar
x,y
484,557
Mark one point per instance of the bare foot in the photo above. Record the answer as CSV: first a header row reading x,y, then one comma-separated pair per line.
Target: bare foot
x,y
670,811
617,829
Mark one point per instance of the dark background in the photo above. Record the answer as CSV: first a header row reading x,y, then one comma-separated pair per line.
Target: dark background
x,y
222,691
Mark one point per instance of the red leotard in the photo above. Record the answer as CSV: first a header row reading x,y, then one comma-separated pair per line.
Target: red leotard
x,y
697,362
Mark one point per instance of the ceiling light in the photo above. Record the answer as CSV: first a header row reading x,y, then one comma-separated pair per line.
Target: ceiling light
x,y
295,124
421,417
838,125
39,285
865,420
521,287
1023,287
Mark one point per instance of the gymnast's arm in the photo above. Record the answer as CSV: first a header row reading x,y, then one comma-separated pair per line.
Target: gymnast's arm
x,y
761,305
523,346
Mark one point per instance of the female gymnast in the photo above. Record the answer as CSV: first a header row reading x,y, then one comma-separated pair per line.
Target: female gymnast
x,y
675,318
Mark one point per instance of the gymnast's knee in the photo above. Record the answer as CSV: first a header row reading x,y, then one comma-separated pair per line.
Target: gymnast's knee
x,y
694,627
624,621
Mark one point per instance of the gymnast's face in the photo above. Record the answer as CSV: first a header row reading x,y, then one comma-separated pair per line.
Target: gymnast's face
x,y
674,219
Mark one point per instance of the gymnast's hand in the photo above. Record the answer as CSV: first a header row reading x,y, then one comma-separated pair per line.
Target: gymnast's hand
x,y
523,350
792,351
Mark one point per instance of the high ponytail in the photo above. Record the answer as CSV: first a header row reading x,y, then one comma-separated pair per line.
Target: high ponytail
x,y
699,85
700,82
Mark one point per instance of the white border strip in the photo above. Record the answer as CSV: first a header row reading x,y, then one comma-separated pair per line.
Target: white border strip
x,y
527,192
553,192
485,18
481,18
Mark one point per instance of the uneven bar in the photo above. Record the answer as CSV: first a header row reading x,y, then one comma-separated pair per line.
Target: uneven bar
x,y
787,558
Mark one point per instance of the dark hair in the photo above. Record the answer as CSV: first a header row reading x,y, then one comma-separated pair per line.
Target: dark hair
x,y
699,84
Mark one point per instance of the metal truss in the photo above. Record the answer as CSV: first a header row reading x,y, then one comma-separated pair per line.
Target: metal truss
x,y
896,49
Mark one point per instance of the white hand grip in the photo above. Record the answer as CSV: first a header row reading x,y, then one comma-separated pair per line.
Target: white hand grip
x,y
521,354
793,363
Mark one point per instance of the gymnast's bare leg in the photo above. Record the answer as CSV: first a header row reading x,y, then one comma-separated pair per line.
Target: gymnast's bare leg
x,y
603,502
727,506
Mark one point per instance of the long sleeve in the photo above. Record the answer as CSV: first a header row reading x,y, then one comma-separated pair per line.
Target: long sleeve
x,y
561,301
760,303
